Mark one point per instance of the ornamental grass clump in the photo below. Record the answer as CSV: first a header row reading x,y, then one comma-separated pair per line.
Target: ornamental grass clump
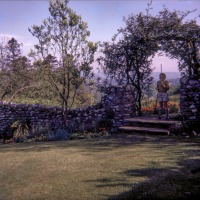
x,y
21,130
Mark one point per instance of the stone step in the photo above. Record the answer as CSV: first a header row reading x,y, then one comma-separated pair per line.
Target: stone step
x,y
143,130
150,120
150,125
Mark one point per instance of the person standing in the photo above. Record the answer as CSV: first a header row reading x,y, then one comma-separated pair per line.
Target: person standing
x,y
163,87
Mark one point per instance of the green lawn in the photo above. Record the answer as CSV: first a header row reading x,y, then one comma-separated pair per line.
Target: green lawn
x,y
116,167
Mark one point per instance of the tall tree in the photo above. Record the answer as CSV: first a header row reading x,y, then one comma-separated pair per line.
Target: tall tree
x,y
15,74
128,58
14,51
66,52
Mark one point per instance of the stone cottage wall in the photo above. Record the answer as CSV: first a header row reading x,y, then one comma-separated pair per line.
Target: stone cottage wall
x,y
190,97
118,101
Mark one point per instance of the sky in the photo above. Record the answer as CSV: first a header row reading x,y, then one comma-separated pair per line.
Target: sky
x,y
104,17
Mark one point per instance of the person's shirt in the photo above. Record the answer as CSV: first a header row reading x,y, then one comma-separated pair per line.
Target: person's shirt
x,y
162,86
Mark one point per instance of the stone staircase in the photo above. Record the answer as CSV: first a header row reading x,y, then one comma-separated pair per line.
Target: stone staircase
x,y
150,125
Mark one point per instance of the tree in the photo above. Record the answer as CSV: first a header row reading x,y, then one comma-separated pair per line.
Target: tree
x,y
14,51
127,59
66,53
179,38
15,74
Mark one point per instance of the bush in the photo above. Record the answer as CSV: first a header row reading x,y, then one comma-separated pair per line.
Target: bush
x,y
103,124
173,107
190,128
148,109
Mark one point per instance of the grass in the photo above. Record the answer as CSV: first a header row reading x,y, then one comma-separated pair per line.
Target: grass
x,y
119,167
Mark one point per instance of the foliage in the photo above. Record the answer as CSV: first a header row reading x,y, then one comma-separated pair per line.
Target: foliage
x,y
149,105
21,130
103,124
89,135
190,128
127,59
173,107
56,61
149,110
15,73
60,71
18,131
180,40
65,53
41,129
61,134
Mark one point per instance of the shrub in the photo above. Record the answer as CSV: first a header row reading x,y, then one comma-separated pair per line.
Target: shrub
x,y
103,124
173,107
149,108
190,128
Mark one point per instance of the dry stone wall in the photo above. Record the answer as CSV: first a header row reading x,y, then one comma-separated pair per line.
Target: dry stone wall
x,y
117,104
190,97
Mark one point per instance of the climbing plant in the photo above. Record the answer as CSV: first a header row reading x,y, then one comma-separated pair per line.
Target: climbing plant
x,y
128,58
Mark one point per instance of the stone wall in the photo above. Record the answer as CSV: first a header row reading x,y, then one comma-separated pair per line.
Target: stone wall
x,y
190,97
117,104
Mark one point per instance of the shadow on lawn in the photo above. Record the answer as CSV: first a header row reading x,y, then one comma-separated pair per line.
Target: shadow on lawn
x,y
181,182
117,182
163,183
96,144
